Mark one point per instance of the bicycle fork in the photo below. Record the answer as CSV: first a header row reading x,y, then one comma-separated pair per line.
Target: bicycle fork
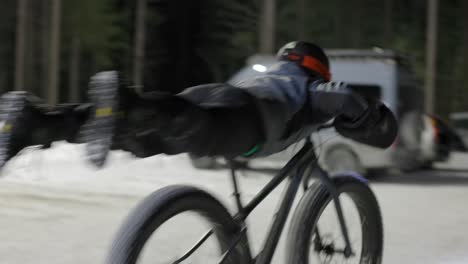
x,y
348,251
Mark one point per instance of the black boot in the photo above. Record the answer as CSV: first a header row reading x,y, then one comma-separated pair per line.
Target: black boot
x,y
27,121
119,118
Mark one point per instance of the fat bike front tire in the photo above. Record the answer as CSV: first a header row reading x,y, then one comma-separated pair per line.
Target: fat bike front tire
x,y
166,203
302,240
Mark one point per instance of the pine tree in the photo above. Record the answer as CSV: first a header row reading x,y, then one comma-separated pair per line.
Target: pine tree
x,y
91,34
20,44
139,43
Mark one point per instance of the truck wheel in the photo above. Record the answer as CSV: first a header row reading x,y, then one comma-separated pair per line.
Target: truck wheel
x,y
342,159
423,165
406,161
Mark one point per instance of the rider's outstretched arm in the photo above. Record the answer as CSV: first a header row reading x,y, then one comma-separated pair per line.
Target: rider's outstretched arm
x,y
365,120
332,99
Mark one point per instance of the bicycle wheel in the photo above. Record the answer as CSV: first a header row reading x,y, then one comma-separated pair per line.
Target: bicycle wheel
x,y
314,238
167,216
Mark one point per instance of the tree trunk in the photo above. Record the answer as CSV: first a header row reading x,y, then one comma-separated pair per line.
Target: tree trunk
x,y
431,54
267,27
74,92
463,84
20,44
301,21
388,22
183,41
347,28
139,53
339,24
465,40
29,46
53,92
356,16
45,32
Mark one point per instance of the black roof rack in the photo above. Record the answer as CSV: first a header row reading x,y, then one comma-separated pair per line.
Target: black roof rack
x,y
375,53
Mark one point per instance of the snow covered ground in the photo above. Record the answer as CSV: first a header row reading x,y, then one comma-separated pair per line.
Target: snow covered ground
x,y
58,209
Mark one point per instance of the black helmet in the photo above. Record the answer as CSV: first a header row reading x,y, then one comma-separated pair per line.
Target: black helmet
x,y
307,55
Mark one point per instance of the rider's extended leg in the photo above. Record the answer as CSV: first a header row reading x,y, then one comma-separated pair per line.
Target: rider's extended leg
x,y
26,121
198,121
206,121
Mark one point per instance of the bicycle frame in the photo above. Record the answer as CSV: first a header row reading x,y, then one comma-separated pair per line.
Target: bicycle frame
x,y
298,169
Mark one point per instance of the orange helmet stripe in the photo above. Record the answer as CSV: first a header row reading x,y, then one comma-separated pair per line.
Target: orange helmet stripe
x,y
313,64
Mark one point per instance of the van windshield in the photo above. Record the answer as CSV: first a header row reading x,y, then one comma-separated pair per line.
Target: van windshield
x,y
460,121
366,90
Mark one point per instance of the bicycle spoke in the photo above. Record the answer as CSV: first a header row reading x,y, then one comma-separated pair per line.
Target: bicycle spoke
x,y
194,248
233,245
328,243
317,240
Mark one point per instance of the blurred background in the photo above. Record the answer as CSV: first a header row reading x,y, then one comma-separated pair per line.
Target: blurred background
x,y
56,208
51,47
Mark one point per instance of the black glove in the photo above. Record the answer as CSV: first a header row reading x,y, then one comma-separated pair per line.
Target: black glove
x,y
376,127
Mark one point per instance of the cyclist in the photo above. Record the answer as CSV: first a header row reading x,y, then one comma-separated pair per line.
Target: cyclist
x,y
259,116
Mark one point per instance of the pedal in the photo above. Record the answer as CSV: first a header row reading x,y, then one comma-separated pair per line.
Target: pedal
x,y
11,107
98,131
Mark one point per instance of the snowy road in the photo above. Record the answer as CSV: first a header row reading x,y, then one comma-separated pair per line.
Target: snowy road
x,y
55,209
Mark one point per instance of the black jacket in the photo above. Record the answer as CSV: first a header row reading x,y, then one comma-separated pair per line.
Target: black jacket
x,y
280,107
